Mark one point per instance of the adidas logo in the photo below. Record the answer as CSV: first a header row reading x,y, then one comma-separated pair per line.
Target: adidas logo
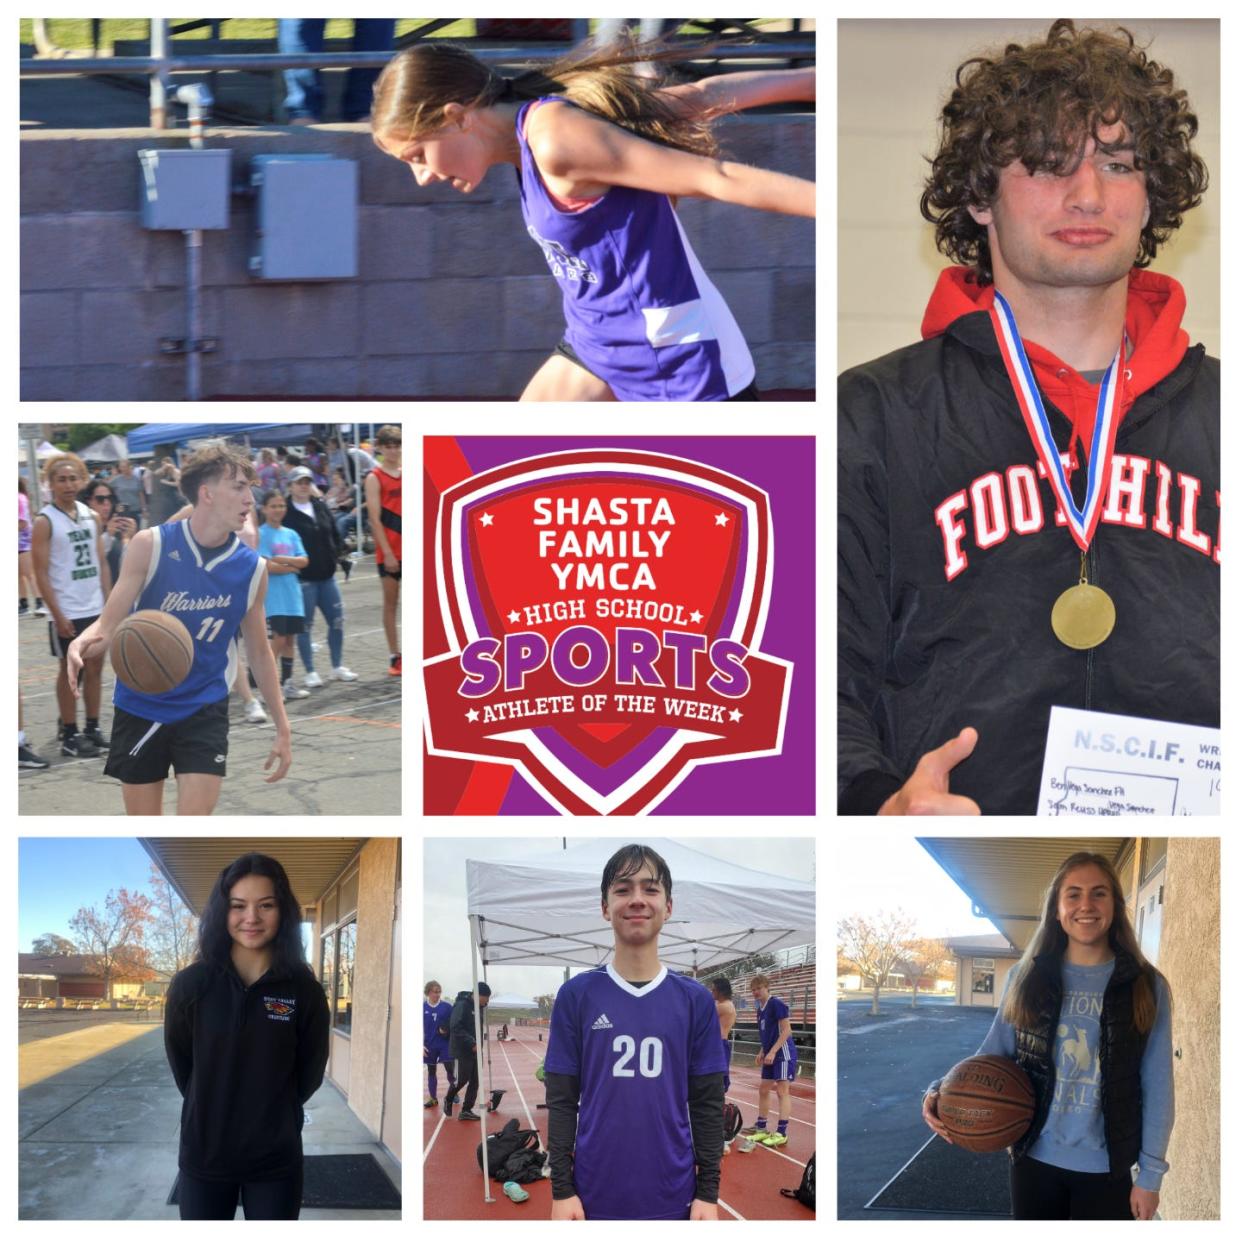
x,y
174,555
601,1023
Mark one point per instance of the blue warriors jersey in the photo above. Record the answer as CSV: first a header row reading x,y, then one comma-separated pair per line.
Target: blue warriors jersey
x,y
435,1017
769,1017
209,592
634,1051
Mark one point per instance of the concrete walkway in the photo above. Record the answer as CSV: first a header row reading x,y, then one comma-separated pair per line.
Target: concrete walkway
x,y
98,1115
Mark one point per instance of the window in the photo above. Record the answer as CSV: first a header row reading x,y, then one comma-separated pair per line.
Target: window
x,y
343,998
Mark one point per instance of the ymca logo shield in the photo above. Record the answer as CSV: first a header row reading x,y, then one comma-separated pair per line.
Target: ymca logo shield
x,y
599,615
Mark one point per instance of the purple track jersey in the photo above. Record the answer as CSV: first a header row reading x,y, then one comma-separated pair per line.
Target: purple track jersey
x,y
639,310
634,1051
209,591
769,1017
435,1017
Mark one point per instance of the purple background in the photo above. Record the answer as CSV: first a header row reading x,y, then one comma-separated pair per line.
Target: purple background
x,y
784,467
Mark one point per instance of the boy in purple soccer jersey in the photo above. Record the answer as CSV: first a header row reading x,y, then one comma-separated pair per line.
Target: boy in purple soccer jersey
x,y
436,1014
778,1057
635,1066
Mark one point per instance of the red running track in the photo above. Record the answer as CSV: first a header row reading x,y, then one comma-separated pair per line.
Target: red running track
x,y
750,1182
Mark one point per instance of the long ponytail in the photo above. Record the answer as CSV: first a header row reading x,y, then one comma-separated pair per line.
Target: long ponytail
x,y
419,82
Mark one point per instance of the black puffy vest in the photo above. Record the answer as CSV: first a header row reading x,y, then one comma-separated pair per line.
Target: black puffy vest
x,y
1121,1055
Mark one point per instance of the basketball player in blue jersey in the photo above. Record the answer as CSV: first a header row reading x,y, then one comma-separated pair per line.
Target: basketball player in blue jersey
x,y
635,1065
201,572
778,1057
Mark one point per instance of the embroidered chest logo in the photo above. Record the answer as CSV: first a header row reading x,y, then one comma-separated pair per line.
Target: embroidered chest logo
x,y
279,1008
601,1023
563,264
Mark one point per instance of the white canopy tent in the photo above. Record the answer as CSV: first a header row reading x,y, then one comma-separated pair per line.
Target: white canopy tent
x,y
545,910
109,448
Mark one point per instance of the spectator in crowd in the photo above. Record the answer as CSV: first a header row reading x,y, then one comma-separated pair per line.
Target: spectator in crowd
x,y
383,492
304,87
165,496
116,531
316,461
131,500
282,549
25,569
312,520
69,565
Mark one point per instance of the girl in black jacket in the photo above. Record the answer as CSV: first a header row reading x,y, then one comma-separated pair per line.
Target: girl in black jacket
x,y
246,1033
313,521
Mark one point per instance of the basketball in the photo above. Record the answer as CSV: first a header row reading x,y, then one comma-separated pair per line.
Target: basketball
x,y
152,651
986,1103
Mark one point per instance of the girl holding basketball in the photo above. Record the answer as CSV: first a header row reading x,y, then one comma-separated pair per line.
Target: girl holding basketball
x,y
246,1034
602,154
1088,1018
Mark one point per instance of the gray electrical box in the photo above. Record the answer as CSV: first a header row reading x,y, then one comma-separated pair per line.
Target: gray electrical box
x,y
184,188
306,217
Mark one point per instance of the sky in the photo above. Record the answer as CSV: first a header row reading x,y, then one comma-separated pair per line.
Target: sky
x,y
877,874
446,935
58,875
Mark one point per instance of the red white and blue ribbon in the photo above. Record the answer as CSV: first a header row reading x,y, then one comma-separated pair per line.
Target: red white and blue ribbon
x,y
1108,411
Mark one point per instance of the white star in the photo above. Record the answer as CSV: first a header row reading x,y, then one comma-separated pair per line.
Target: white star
x,y
515,616
696,616
472,715
735,715
722,519
487,519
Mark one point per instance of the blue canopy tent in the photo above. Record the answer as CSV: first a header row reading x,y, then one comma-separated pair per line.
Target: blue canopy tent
x,y
146,439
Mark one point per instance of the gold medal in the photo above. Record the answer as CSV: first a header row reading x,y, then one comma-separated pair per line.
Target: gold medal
x,y
1084,616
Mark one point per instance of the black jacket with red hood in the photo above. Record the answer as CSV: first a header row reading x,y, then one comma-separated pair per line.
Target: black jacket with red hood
x,y
952,550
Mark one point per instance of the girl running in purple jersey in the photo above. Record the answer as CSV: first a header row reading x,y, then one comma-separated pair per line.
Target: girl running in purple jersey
x,y
602,154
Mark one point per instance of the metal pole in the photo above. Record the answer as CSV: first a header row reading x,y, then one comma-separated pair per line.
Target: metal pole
x,y
478,1035
159,79
193,313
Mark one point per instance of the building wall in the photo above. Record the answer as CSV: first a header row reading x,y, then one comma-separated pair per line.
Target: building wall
x,y
377,885
894,77
1190,960
1001,969
452,296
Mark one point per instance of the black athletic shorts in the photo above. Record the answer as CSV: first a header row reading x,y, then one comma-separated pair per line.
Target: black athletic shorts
x,y
281,626
566,350
60,646
143,750
387,573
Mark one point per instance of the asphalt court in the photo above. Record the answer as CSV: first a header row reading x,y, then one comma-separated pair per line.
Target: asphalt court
x,y
346,735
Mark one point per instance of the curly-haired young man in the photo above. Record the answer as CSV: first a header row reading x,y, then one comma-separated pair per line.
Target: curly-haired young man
x,y
1053,440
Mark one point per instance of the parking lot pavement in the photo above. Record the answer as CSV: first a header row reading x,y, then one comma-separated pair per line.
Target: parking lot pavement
x,y
884,1063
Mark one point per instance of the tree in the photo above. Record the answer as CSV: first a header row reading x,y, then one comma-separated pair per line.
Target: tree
x,y
52,945
82,434
545,1004
873,943
114,936
923,956
173,933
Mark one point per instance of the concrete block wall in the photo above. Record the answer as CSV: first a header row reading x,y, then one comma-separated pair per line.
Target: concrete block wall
x,y
452,298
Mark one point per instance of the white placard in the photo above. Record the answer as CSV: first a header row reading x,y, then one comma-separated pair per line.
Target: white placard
x,y
1096,763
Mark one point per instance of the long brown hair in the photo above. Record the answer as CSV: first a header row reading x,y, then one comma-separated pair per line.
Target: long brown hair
x,y
1021,1007
420,81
